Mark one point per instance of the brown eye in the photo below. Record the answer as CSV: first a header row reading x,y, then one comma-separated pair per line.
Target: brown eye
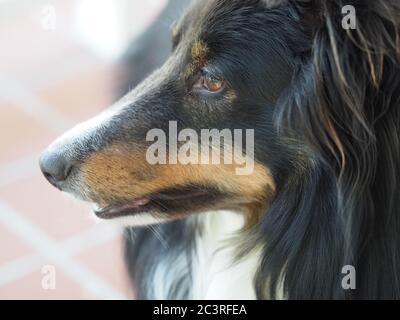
x,y
209,83
213,84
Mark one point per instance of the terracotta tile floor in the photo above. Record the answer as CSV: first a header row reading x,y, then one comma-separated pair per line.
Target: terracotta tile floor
x,y
48,82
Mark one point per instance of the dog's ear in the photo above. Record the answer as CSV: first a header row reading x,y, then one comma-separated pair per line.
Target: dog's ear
x,y
354,49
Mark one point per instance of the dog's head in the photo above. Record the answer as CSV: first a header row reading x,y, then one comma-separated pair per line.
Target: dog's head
x,y
228,66
231,66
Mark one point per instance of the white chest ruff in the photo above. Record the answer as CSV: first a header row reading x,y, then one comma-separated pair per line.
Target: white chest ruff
x,y
214,273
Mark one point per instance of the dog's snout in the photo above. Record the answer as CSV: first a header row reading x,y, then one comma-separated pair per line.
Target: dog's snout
x,y
56,166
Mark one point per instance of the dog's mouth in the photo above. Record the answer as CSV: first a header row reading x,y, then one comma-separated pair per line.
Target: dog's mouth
x,y
165,202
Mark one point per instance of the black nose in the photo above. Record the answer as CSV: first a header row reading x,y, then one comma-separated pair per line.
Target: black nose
x,y
56,167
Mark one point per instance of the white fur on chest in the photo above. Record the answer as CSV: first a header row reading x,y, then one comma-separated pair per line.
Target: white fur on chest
x,y
215,274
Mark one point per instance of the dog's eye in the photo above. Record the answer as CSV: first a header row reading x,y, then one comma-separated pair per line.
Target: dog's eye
x,y
208,82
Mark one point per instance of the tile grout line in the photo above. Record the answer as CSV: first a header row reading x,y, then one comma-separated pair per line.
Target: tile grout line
x,y
17,268
67,73
18,169
46,247
27,101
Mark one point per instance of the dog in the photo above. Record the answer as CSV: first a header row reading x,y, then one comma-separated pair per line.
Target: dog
x,y
319,215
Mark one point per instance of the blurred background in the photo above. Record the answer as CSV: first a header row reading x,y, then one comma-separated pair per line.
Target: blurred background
x,y
62,62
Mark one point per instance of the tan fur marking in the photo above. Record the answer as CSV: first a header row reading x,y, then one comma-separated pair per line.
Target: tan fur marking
x,y
200,54
114,175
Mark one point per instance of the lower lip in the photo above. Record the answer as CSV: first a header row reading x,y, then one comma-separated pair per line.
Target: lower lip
x,y
109,215
121,211
196,198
